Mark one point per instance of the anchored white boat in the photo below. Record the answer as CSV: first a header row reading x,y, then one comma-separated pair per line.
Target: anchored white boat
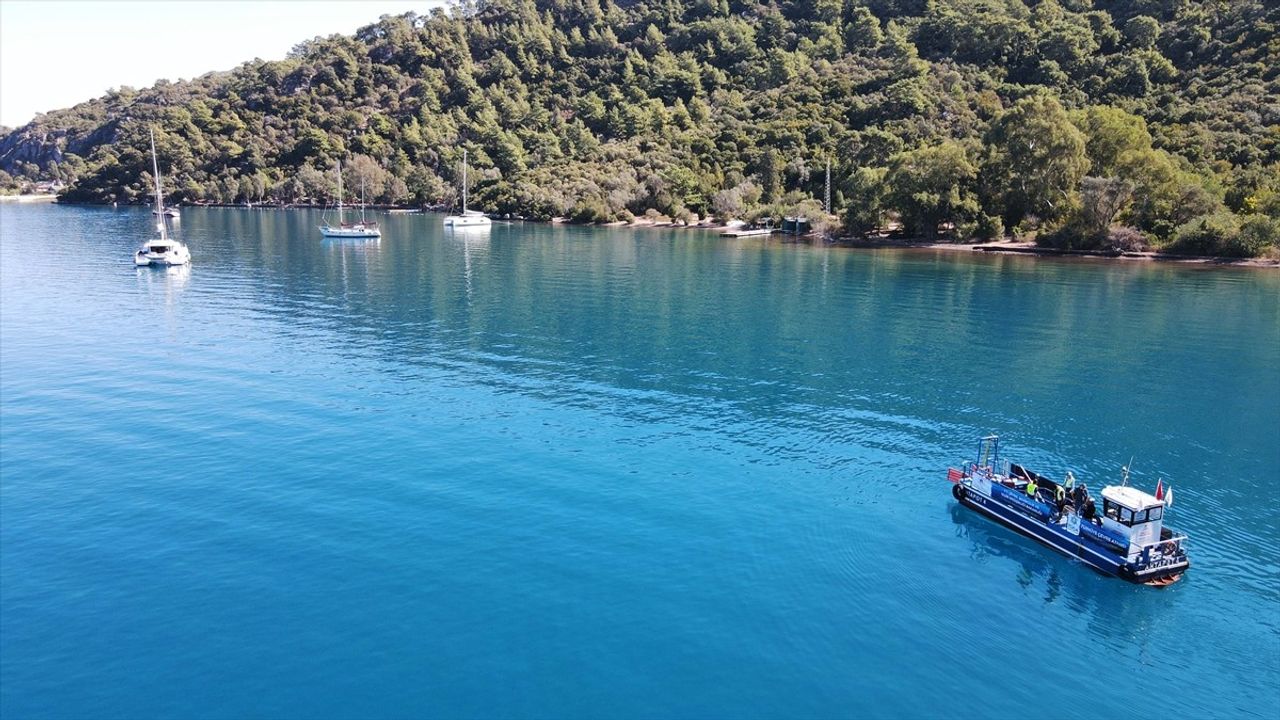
x,y
467,218
163,250
751,231
362,229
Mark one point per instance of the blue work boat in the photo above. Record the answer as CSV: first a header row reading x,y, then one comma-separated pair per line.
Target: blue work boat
x,y
1126,538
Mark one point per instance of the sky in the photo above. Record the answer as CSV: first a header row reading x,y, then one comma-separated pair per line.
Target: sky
x,y
56,53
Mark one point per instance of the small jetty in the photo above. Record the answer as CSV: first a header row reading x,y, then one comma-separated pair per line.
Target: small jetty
x,y
739,232
1126,539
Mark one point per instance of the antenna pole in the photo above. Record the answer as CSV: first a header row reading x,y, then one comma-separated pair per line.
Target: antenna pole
x,y
827,205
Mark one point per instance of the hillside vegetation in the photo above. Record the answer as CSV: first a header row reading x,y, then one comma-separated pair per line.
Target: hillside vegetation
x,y
1089,124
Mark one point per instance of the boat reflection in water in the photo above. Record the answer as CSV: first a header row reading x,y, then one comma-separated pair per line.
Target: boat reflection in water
x,y
170,277
1065,582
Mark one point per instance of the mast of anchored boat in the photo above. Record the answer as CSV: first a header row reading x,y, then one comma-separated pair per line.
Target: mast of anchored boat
x,y
339,193
464,181
155,172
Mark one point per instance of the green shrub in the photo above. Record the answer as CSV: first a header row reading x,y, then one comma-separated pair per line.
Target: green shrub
x,y
590,210
1126,239
1075,236
988,227
1258,233
1206,235
1071,235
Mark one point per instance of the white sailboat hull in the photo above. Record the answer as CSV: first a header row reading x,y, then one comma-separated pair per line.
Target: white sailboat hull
x,y
352,231
177,255
467,221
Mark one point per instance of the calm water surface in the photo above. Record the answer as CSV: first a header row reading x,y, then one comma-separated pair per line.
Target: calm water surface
x,y
560,472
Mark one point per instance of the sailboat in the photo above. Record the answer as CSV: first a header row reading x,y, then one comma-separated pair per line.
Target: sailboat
x,y
362,229
163,250
468,218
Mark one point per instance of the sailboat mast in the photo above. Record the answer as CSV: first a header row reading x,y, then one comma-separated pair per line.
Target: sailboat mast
x,y
155,173
339,163
464,182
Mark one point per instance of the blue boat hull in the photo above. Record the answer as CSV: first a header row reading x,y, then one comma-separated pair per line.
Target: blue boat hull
x,y
1057,537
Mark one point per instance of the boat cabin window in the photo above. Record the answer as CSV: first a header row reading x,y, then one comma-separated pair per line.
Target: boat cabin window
x,y
1155,513
1124,515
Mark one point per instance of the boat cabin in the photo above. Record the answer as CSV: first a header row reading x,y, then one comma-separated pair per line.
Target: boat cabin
x,y
1133,514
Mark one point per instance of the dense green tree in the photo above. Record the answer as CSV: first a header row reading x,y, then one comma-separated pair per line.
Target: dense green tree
x,y
1109,133
1101,200
771,175
862,30
932,187
1166,194
736,201
864,193
1142,31
1037,160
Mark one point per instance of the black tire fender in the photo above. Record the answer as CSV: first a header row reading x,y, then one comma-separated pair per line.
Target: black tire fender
x,y
958,491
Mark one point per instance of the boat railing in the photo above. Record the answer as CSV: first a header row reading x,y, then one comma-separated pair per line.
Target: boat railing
x,y
1000,471
1167,547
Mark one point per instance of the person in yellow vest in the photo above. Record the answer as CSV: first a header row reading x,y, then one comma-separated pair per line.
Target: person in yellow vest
x,y
1031,488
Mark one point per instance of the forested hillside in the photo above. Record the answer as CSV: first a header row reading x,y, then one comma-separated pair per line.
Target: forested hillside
x,y
1089,123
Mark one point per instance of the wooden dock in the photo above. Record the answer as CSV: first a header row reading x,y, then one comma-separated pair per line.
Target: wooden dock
x,y
747,232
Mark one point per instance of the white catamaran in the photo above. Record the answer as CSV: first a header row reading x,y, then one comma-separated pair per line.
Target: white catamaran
x,y
362,229
163,250
468,218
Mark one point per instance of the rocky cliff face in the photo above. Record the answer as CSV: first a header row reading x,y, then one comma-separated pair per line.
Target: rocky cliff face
x,y
46,146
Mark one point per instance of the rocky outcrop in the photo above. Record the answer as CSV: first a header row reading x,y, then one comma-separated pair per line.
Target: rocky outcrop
x,y
45,146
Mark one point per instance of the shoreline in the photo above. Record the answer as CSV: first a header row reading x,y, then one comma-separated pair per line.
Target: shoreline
x,y
1031,249
846,242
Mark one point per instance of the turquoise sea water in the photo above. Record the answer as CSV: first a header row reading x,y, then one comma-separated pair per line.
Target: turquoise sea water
x,y
564,472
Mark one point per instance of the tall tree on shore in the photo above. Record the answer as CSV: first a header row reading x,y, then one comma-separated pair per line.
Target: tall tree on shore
x,y
1037,158
933,187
